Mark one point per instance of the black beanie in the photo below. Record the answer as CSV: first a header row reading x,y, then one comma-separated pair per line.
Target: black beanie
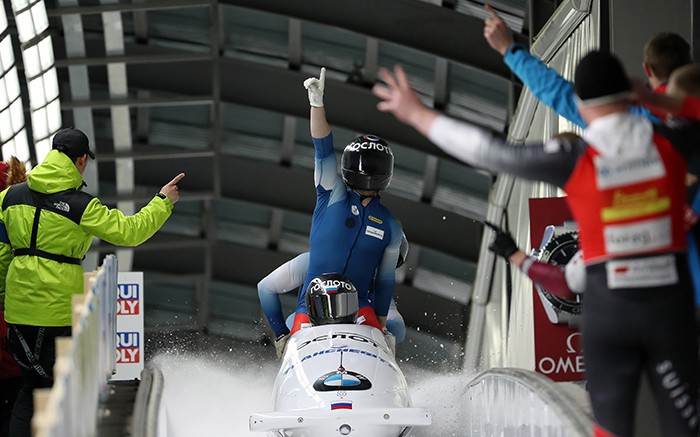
x,y
600,78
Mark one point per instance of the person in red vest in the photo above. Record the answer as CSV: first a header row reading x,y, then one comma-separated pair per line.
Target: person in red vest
x,y
625,183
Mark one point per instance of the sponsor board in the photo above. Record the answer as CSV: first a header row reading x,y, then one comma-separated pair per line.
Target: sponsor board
x,y
558,351
129,326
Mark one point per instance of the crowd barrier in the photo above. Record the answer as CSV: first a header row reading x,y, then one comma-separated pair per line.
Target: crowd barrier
x,y
519,403
84,362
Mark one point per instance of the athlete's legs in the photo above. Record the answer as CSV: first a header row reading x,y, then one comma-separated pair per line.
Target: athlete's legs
x,y
672,364
613,357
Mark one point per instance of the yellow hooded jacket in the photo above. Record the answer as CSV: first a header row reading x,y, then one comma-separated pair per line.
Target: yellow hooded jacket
x,y
39,288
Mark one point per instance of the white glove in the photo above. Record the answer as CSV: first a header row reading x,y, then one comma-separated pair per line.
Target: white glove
x,y
281,345
390,341
315,88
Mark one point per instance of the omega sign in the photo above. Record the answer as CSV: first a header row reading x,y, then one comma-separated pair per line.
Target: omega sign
x,y
572,363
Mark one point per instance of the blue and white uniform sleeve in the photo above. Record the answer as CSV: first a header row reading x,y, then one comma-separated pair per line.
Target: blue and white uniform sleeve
x,y
548,86
325,165
385,279
283,279
328,182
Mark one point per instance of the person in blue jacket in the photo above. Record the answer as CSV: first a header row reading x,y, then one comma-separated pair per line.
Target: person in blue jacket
x,y
664,52
352,233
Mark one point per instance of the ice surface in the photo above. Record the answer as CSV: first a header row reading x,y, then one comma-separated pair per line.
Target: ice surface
x,y
213,394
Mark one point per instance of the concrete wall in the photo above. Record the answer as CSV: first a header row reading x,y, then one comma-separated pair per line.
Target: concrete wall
x,y
633,22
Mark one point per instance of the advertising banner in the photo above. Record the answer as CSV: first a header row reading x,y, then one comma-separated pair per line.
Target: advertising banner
x,y
129,326
554,236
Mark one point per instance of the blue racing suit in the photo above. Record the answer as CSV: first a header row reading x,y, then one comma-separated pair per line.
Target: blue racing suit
x,y
290,276
359,242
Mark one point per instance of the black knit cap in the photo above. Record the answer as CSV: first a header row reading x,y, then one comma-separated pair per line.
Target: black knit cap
x,y
73,142
600,78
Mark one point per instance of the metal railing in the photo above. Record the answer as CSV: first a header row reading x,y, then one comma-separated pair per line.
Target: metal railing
x,y
519,403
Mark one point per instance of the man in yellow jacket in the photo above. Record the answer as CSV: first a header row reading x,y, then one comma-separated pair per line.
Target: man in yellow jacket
x,y
50,225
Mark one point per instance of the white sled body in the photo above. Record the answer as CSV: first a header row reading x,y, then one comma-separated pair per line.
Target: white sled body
x,y
338,380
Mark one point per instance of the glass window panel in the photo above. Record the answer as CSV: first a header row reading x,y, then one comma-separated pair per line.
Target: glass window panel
x,y
41,21
17,115
19,4
50,84
40,123
42,148
3,18
6,131
25,26
21,146
6,53
12,84
32,64
45,48
37,97
53,113
8,148
4,100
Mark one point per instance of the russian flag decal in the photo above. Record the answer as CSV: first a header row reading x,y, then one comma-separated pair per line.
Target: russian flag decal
x,y
341,405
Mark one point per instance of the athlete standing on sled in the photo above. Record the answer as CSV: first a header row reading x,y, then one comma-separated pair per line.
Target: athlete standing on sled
x,y
352,233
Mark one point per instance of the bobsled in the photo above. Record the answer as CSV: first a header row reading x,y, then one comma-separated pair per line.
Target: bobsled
x,y
340,380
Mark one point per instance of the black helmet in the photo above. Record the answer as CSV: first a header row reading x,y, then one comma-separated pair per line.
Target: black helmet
x,y
331,299
403,251
367,163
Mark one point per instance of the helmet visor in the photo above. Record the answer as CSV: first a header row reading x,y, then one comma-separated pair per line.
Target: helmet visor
x,y
332,308
370,162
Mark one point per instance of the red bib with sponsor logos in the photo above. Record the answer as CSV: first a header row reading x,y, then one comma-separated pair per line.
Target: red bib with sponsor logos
x,y
629,206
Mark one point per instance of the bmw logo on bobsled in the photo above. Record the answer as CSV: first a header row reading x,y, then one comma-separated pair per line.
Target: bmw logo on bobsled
x,y
340,380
